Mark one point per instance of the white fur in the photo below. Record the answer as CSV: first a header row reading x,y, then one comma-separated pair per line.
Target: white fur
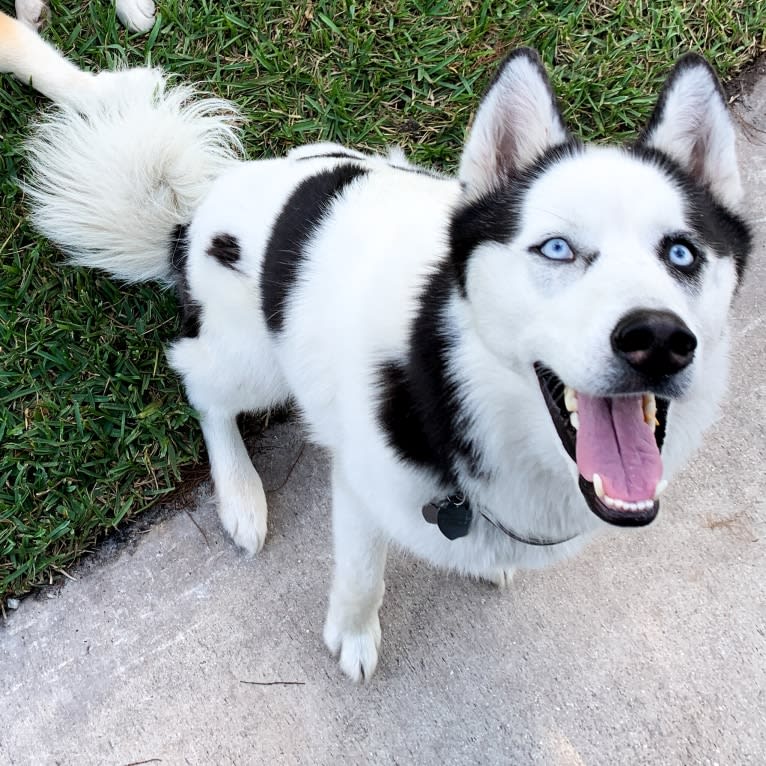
x,y
94,190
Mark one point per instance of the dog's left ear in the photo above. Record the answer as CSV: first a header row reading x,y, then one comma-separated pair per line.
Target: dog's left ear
x,y
518,119
692,124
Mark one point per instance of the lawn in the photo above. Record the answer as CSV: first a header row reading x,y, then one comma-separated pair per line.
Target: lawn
x,y
94,427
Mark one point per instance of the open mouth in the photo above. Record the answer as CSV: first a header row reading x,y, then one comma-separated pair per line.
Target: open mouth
x,y
615,442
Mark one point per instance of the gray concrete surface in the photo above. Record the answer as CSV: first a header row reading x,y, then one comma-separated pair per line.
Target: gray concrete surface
x,y
650,648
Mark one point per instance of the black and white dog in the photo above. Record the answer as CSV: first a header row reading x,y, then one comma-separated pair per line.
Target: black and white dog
x,y
499,364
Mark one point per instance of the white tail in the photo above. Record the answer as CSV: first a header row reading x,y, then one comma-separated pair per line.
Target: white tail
x,y
112,176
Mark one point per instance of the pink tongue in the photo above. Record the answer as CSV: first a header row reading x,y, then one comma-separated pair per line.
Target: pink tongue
x,y
614,441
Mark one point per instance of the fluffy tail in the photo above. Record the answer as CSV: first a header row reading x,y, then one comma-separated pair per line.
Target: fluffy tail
x,y
114,174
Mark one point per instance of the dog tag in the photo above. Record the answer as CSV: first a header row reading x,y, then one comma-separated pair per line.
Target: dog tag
x,y
452,515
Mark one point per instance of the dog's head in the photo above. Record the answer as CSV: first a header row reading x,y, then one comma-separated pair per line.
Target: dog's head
x,y
606,272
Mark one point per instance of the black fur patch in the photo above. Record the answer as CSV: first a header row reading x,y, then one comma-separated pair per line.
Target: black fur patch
x,y
191,315
414,169
494,216
419,409
179,248
225,249
333,156
344,156
300,218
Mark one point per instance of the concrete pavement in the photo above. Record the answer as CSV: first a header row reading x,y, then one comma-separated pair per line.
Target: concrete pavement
x,y
650,648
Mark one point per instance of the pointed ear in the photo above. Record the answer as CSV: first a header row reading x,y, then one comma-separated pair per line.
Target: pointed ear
x,y
518,119
692,125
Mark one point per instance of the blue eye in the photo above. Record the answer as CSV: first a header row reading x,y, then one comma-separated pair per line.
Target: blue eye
x,y
557,249
681,255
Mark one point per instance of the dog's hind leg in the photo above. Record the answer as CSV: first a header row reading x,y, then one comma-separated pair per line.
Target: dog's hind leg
x,y
239,491
224,374
352,628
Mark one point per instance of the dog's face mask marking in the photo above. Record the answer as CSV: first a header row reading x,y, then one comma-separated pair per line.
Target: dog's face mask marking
x,y
623,263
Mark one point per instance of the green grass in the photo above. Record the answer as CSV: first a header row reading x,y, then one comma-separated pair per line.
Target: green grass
x,y
94,427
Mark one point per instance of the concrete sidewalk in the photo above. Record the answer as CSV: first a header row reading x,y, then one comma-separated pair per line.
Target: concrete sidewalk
x,y
650,648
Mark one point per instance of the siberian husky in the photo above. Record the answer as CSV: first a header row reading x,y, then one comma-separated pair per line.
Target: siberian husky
x,y
499,363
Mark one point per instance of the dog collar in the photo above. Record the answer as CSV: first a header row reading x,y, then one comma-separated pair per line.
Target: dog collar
x,y
453,516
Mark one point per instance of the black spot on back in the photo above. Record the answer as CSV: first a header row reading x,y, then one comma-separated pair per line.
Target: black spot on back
x,y
191,318
414,169
225,249
331,155
299,219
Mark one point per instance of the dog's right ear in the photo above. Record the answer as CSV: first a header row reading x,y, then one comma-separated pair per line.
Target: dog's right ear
x,y
518,119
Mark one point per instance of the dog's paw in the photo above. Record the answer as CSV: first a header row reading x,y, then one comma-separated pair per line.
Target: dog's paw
x,y
137,15
358,649
502,578
244,519
31,12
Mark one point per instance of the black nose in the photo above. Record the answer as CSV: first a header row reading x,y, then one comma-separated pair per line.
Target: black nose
x,y
655,343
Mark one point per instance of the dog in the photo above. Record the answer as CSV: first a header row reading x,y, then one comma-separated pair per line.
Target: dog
x,y
500,364
136,15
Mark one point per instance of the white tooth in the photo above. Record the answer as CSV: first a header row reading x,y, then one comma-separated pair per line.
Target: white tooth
x,y
660,488
631,507
598,486
619,505
570,399
574,419
647,504
608,501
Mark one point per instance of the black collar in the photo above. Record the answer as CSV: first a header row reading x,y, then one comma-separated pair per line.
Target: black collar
x,y
453,516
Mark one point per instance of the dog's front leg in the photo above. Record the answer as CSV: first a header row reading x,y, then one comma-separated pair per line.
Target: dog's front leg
x,y
238,488
352,628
